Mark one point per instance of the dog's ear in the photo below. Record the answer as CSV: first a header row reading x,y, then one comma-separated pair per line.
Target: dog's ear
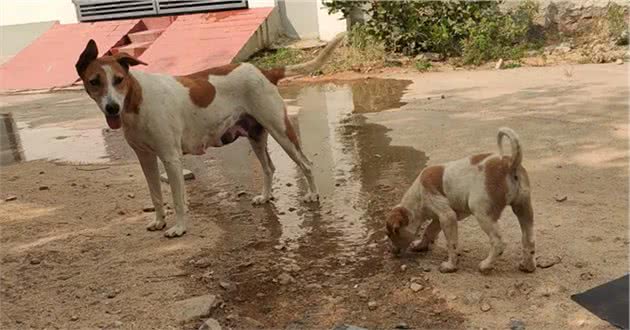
x,y
90,53
126,60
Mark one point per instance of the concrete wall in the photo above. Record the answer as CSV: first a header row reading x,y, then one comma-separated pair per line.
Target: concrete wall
x,y
309,19
329,25
13,38
14,12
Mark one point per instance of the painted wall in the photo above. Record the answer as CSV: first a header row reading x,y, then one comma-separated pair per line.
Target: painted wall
x,y
329,25
14,12
13,38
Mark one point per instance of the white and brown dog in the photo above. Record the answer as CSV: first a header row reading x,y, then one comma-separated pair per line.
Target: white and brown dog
x,y
169,116
481,185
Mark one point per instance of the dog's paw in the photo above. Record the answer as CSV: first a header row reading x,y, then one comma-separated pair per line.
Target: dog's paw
x,y
260,199
156,225
310,198
485,267
527,267
447,267
175,231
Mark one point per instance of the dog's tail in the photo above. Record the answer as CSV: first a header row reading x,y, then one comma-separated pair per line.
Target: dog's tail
x,y
276,74
517,153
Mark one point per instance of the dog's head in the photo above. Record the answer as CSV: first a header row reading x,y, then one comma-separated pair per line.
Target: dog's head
x,y
397,231
107,80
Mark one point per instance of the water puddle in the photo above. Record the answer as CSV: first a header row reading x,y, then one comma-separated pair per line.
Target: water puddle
x,y
354,164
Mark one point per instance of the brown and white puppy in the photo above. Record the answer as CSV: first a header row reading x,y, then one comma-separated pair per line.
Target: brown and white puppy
x,y
481,185
168,116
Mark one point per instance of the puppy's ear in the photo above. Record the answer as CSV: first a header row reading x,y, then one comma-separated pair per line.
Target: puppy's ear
x,y
90,53
126,60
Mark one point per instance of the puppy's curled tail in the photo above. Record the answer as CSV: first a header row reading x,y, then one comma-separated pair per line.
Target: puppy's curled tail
x,y
517,153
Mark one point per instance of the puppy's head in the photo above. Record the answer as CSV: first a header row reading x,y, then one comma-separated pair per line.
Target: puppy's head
x,y
106,80
397,231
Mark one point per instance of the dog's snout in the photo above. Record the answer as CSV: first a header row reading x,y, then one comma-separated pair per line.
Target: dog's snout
x,y
112,108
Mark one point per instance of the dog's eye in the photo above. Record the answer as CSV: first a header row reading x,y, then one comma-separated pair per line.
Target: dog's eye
x,y
95,82
118,80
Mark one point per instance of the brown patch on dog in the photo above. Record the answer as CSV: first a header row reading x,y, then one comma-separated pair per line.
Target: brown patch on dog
x,y
476,159
496,171
290,131
431,179
223,70
397,219
200,90
133,97
274,75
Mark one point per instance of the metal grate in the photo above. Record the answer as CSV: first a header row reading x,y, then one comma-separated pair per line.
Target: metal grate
x,y
187,6
95,10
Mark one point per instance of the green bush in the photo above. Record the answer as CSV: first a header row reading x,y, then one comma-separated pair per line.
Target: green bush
x,y
617,24
476,30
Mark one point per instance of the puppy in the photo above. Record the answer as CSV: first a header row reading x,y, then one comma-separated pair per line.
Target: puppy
x,y
481,185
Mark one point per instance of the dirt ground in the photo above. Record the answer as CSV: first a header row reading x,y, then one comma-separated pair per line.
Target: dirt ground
x,y
75,253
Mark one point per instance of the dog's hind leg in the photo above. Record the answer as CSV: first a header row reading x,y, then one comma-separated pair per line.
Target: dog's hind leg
x,y
259,145
148,162
524,212
490,225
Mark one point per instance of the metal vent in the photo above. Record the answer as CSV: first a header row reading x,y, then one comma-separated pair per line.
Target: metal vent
x,y
187,6
95,10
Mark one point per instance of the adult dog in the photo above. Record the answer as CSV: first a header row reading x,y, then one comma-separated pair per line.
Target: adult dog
x,y
169,116
481,185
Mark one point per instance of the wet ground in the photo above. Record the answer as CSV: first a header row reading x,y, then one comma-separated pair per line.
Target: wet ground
x,y
291,265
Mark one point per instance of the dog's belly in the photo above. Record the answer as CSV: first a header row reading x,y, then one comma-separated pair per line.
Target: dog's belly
x,y
246,126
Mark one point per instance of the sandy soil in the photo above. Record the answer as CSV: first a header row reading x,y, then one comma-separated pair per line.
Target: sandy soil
x,y
75,253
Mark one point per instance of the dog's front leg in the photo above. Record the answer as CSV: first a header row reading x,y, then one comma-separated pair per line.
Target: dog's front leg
x,y
148,162
173,167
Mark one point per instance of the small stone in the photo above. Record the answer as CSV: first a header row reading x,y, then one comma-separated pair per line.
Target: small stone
x,y
227,286
619,62
260,295
586,276
313,286
117,324
202,263
193,308
210,324
363,294
43,188
442,96
485,307
41,172
560,199
223,195
280,247
121,212
73,184
415,287
35,261
241,193
499,64
372,305
426,269
250,323
291,209
10,198
113,294
546,262
594,239
517,325
148,209
289,184
451,297
402,325
292,268
130,195
472,298
349,326
285,278
403,267
74,318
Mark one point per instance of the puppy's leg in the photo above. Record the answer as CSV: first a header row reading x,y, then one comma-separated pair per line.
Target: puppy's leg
x,y
259,145
428,237
448,222
173,165
149,165
524,212
490,225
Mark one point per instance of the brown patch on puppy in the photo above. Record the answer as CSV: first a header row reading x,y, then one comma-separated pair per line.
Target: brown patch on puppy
x,y
133,97
476,159
274,75
397,219
290,131
431,179
496,172
200,90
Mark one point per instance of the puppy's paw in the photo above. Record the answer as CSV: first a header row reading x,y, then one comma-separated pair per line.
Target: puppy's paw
x,y
311,198
419,246
527,266
260,199
447,267
156,225
175,231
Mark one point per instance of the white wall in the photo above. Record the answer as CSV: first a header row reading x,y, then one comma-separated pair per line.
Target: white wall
x,y
329,25
30,11
259,3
